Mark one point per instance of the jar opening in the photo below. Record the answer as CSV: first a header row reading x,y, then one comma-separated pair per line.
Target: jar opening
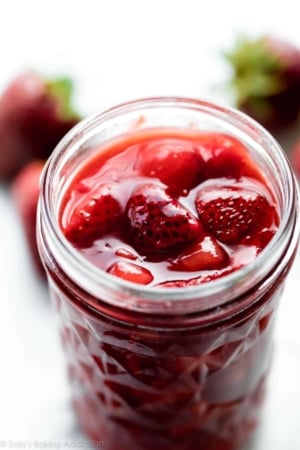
x,y
178,113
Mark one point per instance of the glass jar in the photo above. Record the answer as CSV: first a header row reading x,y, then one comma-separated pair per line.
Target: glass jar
x,y
156,368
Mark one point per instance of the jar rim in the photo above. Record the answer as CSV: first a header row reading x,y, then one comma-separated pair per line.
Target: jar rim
x,y
155,297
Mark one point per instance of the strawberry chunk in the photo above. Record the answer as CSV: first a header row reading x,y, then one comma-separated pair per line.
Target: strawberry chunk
x,y
204,255
178,164
97,214
235,214
125,253
260,239
226,156
159,223
131,272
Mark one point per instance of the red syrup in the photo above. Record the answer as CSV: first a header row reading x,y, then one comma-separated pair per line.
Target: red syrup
x,y
170,209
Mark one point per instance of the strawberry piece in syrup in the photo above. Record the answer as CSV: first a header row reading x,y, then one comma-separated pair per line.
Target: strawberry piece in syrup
x,y
235,214
178,164
158,222
226,156
204,255
97,214
130,271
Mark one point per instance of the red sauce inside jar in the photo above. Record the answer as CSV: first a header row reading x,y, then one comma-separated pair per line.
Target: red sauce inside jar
x,y
169,209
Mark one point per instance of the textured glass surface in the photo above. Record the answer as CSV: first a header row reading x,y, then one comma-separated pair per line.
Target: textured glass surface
x,y
169,390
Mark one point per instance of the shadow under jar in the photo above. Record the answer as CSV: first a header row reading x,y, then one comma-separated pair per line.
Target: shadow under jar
x,y
156,368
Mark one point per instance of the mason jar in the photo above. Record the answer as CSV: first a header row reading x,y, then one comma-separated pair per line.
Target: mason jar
x,y
183,368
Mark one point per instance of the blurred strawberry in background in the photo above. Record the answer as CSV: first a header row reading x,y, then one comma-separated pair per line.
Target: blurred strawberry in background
x,y
25,192
295,157
266,80
34,115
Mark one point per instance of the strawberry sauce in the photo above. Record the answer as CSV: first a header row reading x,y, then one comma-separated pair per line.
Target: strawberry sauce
x,y
181,209
168,209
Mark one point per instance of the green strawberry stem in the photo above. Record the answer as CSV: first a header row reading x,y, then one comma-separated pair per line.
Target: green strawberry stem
x,y
257,70
62,89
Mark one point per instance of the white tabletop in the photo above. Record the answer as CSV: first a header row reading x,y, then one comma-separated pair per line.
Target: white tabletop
x,y
116,51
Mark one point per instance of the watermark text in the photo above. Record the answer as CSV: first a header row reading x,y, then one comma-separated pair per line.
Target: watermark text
x,y
50,445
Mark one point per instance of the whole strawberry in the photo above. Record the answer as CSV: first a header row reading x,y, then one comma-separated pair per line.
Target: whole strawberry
x,y
25,191
34,115
266,80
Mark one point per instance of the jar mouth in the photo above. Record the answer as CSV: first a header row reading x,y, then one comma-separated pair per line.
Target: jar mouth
x,y
203,296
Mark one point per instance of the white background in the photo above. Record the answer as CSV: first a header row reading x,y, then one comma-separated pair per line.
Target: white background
x,y
116,51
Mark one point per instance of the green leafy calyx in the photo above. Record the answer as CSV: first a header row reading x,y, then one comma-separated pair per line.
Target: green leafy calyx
x,y
256,68
62,90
